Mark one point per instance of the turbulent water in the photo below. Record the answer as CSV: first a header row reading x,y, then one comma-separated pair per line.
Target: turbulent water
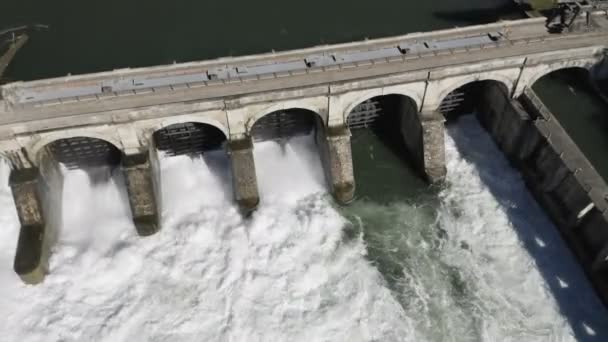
x,y
480,263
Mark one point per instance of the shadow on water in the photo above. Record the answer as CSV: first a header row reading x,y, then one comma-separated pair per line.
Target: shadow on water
x,y
384,172
563,275
507,10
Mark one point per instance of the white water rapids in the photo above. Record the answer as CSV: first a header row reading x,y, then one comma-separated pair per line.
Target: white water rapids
x,y
290,273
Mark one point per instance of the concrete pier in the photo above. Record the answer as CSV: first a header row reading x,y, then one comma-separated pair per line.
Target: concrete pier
x,y
31,258
423,135
243,174
433,146
336,155
140,187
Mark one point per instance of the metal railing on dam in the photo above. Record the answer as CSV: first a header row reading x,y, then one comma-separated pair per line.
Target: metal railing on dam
x,y
124,117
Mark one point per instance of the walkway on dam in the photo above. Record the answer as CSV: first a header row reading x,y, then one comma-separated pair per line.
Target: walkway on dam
x,y
524,37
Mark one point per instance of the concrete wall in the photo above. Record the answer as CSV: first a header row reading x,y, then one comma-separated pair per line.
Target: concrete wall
x,y
336,156
244,178
37,195
140,183
557,173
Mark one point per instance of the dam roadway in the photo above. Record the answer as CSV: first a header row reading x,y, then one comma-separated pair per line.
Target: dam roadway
x,y
523,38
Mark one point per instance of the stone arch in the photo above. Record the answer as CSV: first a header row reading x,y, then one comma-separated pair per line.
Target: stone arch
x,y
35,150
166,122
405,100
377,92
81,152
506,81
459,99
285,107
188,138
282,122
555,67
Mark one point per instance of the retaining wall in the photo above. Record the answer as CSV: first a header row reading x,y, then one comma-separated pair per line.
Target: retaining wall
x,y
559,175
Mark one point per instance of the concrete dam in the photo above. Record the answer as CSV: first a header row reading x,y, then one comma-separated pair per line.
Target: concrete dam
x,y
409,85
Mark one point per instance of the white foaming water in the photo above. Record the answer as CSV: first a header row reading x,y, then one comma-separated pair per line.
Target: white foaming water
x,y
209,275
288,273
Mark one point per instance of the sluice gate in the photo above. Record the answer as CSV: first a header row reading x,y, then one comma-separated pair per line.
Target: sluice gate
x,y
364,115
188,139
84,152
281,125
453,102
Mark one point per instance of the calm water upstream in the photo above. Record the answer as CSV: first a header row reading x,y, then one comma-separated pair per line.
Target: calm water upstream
x,y
581,111
473,260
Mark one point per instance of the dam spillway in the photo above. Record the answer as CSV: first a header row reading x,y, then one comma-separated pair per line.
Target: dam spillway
x,y
324,160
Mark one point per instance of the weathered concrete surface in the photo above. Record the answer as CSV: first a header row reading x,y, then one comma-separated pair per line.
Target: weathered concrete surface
x,y
423,134
336,155
38,198
557,173
243,174
31,258
140,188
433,146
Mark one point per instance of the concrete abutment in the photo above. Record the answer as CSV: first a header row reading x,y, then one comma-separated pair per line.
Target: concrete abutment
x,y
31,257
33,190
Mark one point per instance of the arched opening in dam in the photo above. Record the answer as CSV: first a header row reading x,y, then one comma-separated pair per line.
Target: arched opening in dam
x,y
188,138
71,171
465,99
84,152
387,128
95,157
575,99
285,124
284,143
190,157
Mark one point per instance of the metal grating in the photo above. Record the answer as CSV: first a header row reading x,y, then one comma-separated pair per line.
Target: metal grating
x,y
82,152
364,115
283,124
188,139
452,102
